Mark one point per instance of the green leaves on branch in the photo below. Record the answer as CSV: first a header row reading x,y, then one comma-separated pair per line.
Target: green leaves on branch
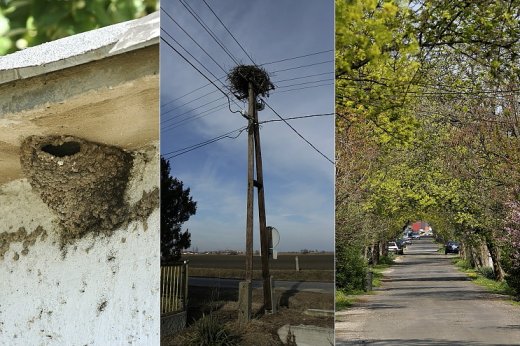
x,y
26,23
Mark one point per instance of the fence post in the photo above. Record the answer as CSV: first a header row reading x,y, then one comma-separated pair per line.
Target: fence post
x,y
186,277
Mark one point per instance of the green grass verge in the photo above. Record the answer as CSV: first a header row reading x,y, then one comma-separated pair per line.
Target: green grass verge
x,y
489,284
377,274
345,300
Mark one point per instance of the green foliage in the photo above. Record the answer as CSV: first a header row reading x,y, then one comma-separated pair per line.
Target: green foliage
x,y
211,332
343,300
487,272
177,206
427,125
26,23
351,268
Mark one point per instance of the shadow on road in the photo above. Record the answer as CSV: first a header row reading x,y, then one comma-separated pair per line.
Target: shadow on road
x,y
284,298
414,342
433,279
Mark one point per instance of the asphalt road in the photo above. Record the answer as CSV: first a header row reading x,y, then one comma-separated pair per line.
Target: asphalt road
x,y
307,286
424,300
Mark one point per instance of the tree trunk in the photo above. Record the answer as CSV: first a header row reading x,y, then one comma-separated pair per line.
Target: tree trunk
x,y
384,250
495,257
375,253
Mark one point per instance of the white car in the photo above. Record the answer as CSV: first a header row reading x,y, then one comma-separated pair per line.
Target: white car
x,y
392,246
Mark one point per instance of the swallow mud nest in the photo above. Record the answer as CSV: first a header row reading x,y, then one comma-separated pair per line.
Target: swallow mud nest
x,y
82,182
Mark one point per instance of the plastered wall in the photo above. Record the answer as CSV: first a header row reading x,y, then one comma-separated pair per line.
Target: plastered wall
x,y
100,289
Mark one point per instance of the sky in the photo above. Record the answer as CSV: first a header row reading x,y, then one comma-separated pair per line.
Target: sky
x,y
298,181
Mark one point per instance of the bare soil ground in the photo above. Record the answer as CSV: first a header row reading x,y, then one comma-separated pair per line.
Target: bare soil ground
x,y
262,329
313,267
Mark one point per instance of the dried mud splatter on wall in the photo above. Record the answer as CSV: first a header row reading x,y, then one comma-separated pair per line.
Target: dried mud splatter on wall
x,y
20,236
82,182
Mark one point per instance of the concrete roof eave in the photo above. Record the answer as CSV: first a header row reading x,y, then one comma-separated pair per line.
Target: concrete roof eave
x,y
81,48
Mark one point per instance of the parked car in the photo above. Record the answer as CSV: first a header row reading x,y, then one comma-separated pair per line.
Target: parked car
x,y
392,246
451,247
401,243
416,236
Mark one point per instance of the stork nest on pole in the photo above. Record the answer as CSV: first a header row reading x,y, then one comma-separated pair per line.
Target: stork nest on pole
x,y
240,76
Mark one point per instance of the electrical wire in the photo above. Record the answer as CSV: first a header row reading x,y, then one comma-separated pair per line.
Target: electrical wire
x,y
273,62
186,103
296,57
299,134
202,48
305,83
199,115
302,88
225,27
307,76
189,111
294,118
302,66
185,150
199,71
208,30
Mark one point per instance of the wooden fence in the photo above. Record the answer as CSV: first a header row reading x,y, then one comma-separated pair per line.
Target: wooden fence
x,y
174,287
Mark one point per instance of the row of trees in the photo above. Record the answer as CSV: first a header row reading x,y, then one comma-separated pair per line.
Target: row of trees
x,y
427,96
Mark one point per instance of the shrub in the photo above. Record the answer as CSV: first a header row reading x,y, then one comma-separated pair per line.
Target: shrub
x,y
351,268
487,272
210,331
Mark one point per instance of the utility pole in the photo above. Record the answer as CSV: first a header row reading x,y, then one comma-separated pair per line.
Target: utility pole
x,y
254,157
250,183
264,235
245,288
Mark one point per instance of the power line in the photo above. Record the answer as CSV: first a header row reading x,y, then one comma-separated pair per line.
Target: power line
x,y
302,66
208,30
186,103
194,58
305,83
188,93
189,111
185,150
298,117
296,57
225,27
202,48
273,62
300,135
302,88
200,115
307,76
199,71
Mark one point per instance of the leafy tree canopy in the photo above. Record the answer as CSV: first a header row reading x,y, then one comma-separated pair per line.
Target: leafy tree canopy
x,y
25,23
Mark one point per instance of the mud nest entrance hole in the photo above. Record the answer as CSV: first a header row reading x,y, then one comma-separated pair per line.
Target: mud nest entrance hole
x,y
65,149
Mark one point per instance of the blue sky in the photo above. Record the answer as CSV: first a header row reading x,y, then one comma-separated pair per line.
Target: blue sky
x,y
299,182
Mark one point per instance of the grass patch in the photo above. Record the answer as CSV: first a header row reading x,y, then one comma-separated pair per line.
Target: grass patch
x,y
482,279
345,300
377,270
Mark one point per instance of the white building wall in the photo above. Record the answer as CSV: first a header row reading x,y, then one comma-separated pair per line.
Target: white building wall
x,y
100,290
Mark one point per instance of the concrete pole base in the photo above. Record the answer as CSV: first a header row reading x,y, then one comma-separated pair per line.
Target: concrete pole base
x,y
245,293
